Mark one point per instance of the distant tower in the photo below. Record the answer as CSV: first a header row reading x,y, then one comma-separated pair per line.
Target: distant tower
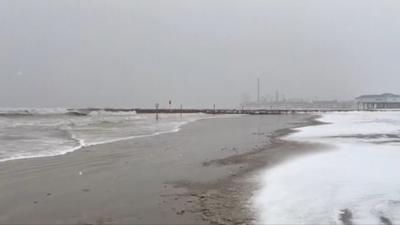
x,y
258,90
277,96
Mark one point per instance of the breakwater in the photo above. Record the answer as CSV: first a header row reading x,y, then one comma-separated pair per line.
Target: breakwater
x,y
244,111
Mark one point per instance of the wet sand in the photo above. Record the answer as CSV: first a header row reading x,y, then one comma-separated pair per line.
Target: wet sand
x,y
199,175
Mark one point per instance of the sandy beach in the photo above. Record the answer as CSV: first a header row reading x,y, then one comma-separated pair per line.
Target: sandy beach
x,y
199,175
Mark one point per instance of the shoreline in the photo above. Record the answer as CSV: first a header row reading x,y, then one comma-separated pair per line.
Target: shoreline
x,y
81,143
194,176
228,200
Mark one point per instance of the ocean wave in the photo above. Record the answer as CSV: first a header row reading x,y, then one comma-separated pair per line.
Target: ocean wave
x,y
64,111
112,112
32,111
47,136
37,111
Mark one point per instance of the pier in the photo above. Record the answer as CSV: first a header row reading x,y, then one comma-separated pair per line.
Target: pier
x,y
238,111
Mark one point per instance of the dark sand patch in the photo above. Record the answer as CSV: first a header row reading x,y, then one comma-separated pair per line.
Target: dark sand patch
x,y
227,200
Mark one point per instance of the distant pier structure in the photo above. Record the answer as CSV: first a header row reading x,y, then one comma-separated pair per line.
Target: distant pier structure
x,y
383,101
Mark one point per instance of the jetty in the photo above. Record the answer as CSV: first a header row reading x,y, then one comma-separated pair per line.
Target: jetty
x,y
238,111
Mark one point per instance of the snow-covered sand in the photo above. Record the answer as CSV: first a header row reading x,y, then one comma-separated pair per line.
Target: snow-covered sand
x,y
355,181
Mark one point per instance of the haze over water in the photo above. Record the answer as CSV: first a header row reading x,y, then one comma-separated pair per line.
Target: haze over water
x,y
121,53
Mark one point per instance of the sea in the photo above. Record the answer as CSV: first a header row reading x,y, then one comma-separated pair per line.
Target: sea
x,y
354,179
31,133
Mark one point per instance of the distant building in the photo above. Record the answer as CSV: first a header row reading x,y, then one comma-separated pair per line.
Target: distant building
x,y
270,103
383,101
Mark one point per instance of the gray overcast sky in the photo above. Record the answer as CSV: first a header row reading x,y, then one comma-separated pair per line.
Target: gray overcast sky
x,y
122,53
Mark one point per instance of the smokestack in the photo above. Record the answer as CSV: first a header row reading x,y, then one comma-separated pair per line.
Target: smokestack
x,y
277,96
258,90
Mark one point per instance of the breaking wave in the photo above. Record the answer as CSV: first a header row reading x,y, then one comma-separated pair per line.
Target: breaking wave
x,y
57,131
63,111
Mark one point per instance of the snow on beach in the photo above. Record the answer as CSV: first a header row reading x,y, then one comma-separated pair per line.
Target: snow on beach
x,y
355,181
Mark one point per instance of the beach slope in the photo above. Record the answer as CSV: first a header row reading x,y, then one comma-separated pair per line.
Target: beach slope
x,y
165,179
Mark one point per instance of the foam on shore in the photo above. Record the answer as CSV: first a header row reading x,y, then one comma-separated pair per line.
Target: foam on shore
x,y
356,182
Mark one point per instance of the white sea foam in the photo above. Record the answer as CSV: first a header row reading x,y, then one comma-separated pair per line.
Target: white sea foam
x,y
38,111
112,113
360,174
